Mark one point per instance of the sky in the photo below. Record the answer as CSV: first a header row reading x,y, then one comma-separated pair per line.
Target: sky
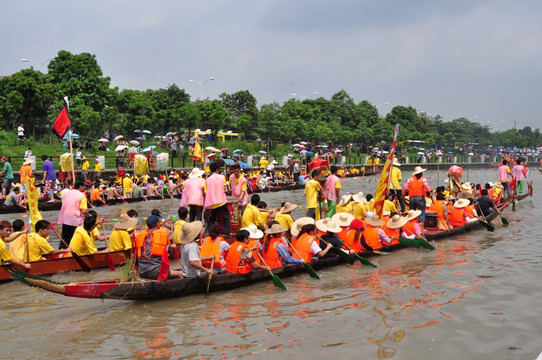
x,y
476,59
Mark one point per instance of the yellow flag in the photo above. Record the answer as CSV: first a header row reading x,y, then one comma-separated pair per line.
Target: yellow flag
x,y
197,154
33,197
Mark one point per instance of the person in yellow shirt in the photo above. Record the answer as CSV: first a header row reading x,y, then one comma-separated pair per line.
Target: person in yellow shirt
x,y
5,256
120,238
284,216
389,205
253,215
85,165
344,205
17,240
38,245
370,204
395,183
358,206
127,187
313,194
178,226
97,169
264,163
82,242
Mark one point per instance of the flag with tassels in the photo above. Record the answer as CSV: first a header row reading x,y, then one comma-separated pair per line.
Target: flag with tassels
x,y
384,184
33,197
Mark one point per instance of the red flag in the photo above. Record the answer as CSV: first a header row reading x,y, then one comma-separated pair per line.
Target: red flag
x,y
62,123
383,185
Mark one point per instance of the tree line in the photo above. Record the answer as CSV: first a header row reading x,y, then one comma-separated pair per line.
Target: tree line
x,y
34,99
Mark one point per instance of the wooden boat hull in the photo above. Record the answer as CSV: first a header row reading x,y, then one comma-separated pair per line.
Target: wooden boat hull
x,y
53,266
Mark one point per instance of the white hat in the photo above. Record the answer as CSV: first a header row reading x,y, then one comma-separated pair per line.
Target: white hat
x,y
255,233
466,186
27,161
327,224
298,224
461,203
345,199
396,162
343,219
196,172
418,170
359,197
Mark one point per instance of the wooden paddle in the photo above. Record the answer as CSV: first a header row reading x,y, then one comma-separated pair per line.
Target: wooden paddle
x,y
76,257
210,276
421,240
308,268
276,280
110,262
346,257
378,252
363,260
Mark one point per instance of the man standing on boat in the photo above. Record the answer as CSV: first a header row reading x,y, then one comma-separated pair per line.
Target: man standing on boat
x,y
395,183
215,197
313,193
518,171
504,176
238,185
332,190
417,188
49,177
193,195
73,211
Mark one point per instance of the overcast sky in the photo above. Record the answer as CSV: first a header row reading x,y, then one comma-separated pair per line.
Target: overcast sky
x,y
478,59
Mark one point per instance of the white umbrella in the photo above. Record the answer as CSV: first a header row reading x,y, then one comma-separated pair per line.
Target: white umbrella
x,y
118,137
134,142
303,142
212,148
262,152
121,147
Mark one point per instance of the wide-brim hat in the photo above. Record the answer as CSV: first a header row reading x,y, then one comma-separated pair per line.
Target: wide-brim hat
x,y
196,172
125,222
190,231
343,219
275,229
464,195
412,214
396,221
359,197
345,199
288,207
255,233
396,162
461,203
374,220
27,162
83,158
325,225
466,186
499,185
418,170
298,224
274,162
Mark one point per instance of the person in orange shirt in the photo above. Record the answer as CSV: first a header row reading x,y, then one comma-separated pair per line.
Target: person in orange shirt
x,y
439,206
214,245
25,172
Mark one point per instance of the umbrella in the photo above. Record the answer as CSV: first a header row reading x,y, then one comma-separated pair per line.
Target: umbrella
x,y
121,147
420,152
212,148
103,140
224,149
303,142
148,148
237,150
170,134
134,142
244,165
217,150
229,161
450,152
137,131
309,152
300,146
303,151
385,152
456,171
140,138
338,151
146,132
262,152
211,156
118,137
74,136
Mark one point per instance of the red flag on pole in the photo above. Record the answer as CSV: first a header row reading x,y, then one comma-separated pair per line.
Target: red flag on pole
x,y
62,123
383,185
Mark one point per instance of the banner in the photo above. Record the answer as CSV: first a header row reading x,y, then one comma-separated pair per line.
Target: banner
x,y
62,123
33,197
383,185
197,153
141,165
161,161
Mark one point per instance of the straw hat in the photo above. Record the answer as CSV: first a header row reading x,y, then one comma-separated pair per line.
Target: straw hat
x,y
461,203
196,172
288,207
396,222
466,186
190,231
374,220
412,214
418,170
499,185
359,197
274,162
83,158
343,219
275,229
345,199
396,162
464,195
298,224
27,162
327,224
125,222
255,233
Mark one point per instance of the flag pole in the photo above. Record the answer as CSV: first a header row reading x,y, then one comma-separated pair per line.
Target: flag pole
x,y
70,137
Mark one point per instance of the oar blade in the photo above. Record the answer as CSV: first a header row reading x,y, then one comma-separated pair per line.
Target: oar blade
x,y
311,271
364,261
347,258
488,226
413,243
278,282
81,262
425,244
505,221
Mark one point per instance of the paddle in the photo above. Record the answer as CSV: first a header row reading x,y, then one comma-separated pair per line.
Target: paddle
x,y
276,280
363,260
483,220
346,257
413,243
76,257
110,262
210,276
505,221
378,252
421,240
308,268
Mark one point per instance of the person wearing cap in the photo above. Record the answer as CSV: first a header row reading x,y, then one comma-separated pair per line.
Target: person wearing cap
x,y
306,244
190,252
374,234
240,259
214,246
193,195
25,172
284,216
485,204
354,237
313,193
503,175
238,185
417,188
151,246
439,206
120,238
73,211
215,197
459,215
330,230
395,183
358,206
7,173
332,190
82,243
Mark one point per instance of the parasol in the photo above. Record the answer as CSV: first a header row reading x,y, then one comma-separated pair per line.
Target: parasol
x,y
118,137
134,142
103,140
121,147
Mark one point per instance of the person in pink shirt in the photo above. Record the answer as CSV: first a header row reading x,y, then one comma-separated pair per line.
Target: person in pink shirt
x,y
332,189
518,171
504,176
215,197
193,194
238,185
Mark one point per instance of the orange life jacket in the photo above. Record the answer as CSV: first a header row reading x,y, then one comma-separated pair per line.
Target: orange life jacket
x,y
470,211
271,256
350,240
303,247
458,217
342,234
393,233
210,247
371,236
234,263
409,226
159,241
255,243
415,187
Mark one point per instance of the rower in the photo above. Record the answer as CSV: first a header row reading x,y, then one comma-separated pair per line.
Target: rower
x,y
254,215
459,215
374,234
273,250
190,253
214,245
330,230
358,206
82,242
306,244
344,205
284,216
439,206
240,259
354,238
120,236
393,229
343,220
17,240
182,213
486,205
5,256
255,235
38,245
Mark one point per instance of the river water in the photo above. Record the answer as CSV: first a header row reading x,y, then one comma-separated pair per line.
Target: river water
x,y
476,297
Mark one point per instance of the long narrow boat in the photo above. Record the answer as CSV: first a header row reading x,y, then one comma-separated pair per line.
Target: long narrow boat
x,y
54,266
153,289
